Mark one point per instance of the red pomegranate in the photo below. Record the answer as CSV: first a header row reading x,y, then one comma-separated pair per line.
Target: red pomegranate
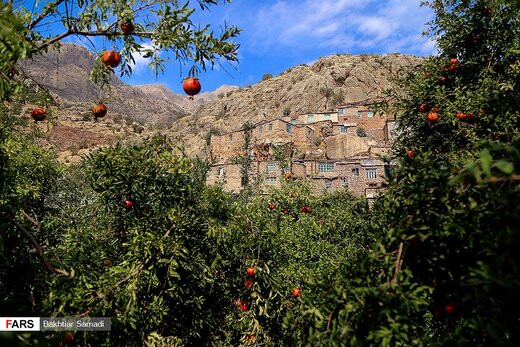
x,y
127,27
39,114
127,204
432,117
111,58
99,110
191,86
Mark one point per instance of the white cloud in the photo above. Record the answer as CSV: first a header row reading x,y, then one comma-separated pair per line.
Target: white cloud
x,y
377,27
380,26
141,63
291,21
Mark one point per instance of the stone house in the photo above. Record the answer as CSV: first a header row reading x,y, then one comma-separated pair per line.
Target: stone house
x,y
323,148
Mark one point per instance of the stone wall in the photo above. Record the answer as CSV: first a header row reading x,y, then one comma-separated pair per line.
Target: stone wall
x,y
228,174
346,145
352,174
226,146
320,152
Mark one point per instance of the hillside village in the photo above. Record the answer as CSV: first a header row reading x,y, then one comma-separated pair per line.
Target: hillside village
x,y
332,150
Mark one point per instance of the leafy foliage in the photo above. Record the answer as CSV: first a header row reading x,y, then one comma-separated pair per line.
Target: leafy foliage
x,y
27,173
437,275
290,247
167,24
433,263
144,263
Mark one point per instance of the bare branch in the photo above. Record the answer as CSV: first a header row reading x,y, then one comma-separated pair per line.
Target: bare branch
x,y
67,13
142,7
42,15
39,250
398,263
495,179
54,40
330,320
30,219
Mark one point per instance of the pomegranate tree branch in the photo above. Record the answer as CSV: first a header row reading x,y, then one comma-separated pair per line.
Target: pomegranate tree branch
x,y
495,179
67,14
146,262
50,9
111,33
55,39
398,263
39,249
89,33
34,221
143,6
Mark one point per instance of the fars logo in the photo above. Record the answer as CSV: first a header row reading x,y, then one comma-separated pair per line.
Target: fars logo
x,y
19,324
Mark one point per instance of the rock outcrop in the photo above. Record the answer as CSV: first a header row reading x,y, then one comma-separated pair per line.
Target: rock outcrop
x,y
329,82
65,73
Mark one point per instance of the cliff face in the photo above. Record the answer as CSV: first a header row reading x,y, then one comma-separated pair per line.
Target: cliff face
x,y
329,82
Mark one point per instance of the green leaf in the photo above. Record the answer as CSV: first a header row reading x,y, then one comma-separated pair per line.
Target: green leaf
x,y
485,162
504,166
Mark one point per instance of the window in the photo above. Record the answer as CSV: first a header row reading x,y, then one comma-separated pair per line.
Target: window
x,y
389,171
341,111
271,167
360,114
289,128
293,121
221,172
355,172
231,136
326,116
325,166
343,129
370,114
371,173
328,185
270,181
310,118
344,182
270,126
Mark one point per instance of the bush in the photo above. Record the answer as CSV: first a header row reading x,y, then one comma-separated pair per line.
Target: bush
x,y
289,248
440,272
157,247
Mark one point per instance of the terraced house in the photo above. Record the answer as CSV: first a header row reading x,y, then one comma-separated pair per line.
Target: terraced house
x,y
332,150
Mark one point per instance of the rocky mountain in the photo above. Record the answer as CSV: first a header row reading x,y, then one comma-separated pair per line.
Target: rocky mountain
x,y
329,82
65,73
322,86
160,91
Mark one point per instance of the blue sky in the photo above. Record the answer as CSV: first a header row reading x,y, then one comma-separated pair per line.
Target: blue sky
x,y
279,34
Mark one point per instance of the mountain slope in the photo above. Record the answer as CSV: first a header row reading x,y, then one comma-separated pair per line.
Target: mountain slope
x,y
160,91
66,74
329,82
